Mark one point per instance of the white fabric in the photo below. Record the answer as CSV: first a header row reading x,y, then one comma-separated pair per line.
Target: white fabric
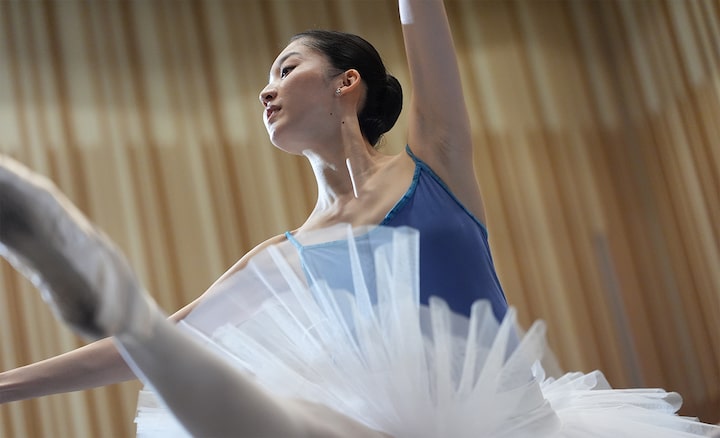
x,y
401,368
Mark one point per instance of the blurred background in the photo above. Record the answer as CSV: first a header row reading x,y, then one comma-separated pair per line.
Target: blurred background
x,y
597,148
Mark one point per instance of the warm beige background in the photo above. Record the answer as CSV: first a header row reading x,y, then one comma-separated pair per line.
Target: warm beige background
x,y
598,150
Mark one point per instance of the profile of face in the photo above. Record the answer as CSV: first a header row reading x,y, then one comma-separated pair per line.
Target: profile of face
x,y
301,109
299,101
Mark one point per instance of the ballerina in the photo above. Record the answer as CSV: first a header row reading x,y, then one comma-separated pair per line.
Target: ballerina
x,y
309,360
90,286
329,98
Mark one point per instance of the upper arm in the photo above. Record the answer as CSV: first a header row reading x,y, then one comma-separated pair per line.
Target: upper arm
x,y
240,264
439,126
438,116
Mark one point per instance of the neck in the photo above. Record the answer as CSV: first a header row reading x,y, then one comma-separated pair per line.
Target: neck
x,y
341,172
343,167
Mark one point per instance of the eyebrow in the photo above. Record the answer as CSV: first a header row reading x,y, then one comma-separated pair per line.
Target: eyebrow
x,y
283,59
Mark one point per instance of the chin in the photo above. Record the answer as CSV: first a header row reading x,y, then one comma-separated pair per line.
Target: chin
x,y
286,147
291,141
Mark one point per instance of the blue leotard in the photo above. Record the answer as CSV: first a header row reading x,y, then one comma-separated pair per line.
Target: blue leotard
x,y
455,259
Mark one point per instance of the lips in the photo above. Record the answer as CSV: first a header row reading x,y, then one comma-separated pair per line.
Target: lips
x,y
271,111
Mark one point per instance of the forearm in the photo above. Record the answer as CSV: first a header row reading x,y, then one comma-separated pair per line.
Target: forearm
x,y
430,50
91,366
437,112
94,365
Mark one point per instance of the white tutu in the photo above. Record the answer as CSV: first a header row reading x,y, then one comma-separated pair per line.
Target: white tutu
x,y
377,356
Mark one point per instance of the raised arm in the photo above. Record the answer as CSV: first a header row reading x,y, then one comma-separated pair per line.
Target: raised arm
x,y
439,125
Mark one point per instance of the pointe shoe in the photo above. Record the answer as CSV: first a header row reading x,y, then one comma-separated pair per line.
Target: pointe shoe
x,y
82,276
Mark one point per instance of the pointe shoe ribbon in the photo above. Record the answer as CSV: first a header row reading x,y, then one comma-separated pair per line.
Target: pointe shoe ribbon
x,y
80,273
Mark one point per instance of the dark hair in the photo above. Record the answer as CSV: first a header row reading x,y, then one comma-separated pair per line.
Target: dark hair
x,y
345,51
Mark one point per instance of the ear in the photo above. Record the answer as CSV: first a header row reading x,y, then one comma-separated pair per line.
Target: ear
x,y
350,80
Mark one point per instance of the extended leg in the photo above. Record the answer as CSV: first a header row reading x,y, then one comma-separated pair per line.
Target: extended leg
x,y
83,277
91,287
211,398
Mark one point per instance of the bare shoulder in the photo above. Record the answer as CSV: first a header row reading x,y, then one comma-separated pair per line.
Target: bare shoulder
x,y
240,264
400,162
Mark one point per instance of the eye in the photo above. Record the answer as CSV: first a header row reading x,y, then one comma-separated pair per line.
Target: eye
x,y
286,70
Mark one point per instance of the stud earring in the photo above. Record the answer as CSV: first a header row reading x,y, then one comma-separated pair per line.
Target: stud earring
x,y
338,91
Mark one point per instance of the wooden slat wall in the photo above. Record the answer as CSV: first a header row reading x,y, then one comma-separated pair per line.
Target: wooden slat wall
x,y
598,151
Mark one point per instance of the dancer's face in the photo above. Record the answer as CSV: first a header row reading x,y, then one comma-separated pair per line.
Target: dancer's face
x,y
299,99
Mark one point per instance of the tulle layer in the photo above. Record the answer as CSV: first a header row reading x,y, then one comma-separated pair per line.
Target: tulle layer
x,y
376,355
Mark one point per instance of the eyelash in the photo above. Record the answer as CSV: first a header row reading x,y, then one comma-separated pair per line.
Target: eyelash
x,y
285,70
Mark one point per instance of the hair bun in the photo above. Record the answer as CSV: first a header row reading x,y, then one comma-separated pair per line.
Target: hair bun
x,y
383,100
392,102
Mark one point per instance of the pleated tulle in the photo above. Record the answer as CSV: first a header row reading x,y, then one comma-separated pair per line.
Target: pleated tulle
x,y
375,355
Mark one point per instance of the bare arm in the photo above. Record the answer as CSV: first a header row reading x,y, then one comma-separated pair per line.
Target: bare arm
x,y
94,365
91,287
91,366
439,125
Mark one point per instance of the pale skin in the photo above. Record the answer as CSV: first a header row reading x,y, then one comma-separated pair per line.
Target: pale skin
x,y
356,185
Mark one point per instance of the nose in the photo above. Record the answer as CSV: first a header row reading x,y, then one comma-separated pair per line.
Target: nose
x,y
267,95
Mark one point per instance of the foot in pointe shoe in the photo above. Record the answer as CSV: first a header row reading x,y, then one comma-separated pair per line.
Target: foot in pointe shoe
x,y
80,273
